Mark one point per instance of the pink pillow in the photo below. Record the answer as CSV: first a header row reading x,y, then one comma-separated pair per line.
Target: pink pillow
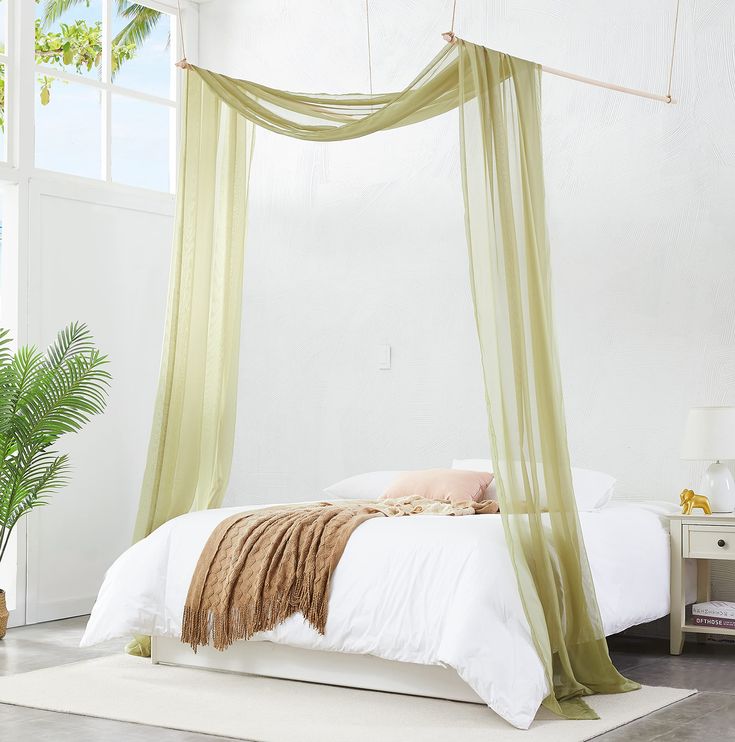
x,y
454,485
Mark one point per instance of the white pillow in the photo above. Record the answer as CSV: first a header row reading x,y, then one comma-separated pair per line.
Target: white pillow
x,y
368,486
592,489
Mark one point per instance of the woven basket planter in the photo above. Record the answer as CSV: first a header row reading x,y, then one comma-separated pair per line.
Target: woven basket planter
x,y
3,614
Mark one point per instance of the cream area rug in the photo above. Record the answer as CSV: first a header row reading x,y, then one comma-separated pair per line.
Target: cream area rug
x,y
269,710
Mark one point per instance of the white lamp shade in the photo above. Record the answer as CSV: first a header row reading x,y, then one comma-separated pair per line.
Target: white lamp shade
x,y
710,434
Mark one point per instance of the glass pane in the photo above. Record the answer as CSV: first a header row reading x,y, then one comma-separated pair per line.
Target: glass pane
x,y
68,121
3,117
3,26
69,40
140,143
141,52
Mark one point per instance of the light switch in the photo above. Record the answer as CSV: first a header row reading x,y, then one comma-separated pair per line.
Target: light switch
x,y
384,357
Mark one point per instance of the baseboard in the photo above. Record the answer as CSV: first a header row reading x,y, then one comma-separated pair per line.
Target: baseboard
x,y
58,609
16,618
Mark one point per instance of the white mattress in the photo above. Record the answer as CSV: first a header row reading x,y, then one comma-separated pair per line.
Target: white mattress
x,y
425,589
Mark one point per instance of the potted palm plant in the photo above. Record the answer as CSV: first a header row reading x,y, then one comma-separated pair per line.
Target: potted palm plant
x,y
42,397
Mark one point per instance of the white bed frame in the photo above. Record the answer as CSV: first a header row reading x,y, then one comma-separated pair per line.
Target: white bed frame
x,y
312,666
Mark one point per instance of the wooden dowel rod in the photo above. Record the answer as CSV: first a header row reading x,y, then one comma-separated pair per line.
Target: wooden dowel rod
x,y
608,85
450,38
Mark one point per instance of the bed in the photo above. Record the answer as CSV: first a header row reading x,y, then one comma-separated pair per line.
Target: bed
x,y
424,605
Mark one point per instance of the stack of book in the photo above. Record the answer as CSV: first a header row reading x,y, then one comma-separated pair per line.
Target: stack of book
x,y
718,614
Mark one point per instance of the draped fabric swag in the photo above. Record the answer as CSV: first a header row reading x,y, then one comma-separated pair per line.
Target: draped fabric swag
x,y
190,451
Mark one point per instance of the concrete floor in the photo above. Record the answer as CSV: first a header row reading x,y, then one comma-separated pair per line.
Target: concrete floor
x,y
708,667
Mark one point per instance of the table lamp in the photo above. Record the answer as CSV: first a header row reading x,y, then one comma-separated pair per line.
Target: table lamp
x,y
710,436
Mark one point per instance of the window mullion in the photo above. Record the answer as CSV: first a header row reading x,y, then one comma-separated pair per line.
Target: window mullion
x,y
106,122
99,85
23,70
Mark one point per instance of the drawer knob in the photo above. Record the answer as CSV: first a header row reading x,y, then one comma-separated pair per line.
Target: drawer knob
x,y
721,542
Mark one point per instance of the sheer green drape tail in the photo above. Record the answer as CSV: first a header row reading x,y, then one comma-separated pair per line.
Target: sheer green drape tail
x,y
502,171
190,449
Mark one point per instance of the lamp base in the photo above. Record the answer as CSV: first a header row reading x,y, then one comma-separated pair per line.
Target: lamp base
x,y
719,488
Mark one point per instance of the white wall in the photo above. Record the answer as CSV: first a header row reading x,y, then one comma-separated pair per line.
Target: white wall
x,y
99,257
361,243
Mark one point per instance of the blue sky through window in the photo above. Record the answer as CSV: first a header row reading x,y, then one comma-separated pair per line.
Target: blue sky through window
x,y
150,70
68,130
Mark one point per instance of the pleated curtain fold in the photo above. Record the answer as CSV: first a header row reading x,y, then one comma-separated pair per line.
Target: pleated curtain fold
x,y
190,452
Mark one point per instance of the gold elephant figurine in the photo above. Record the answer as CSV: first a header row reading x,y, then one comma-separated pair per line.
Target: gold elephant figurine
x,y
689,501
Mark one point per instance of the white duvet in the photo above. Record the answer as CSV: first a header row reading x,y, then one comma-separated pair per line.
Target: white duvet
x,y
425,589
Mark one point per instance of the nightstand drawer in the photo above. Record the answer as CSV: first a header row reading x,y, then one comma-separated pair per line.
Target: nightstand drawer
x,y
709,542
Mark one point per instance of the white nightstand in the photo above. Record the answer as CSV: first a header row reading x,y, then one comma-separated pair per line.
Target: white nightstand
x,y
700,537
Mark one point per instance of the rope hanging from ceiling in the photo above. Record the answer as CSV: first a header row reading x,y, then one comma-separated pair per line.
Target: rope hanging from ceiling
x,y
449,37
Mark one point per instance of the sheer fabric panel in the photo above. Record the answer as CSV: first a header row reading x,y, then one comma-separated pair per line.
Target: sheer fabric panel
x,y
499,111
510,275
190,449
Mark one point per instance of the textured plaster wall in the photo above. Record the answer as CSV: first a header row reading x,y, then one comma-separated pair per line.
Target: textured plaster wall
x,y
361,243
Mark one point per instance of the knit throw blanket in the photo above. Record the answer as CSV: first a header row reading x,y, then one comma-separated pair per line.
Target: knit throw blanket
x,y
260,567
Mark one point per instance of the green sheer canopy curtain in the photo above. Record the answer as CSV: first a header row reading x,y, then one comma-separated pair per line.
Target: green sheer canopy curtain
x,y
190,449
498,97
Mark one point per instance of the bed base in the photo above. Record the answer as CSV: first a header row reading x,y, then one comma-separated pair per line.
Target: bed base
x,y
361,671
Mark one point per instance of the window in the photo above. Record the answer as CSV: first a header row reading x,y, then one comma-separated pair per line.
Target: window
x,y
4,52
105,91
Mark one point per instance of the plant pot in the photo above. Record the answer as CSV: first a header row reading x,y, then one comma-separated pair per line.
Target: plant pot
x,y
3,614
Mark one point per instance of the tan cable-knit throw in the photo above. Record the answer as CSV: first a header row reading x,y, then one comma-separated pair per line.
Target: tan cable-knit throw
x,y
260,567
